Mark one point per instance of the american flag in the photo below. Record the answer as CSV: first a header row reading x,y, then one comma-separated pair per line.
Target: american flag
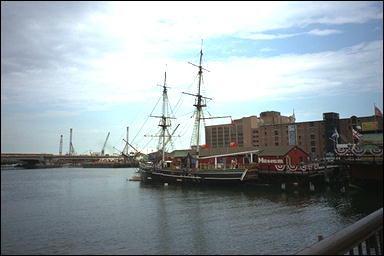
x,y
356,134
378,112
335,134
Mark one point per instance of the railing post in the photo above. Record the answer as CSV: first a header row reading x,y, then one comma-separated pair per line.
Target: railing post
x,y
367,247
360,249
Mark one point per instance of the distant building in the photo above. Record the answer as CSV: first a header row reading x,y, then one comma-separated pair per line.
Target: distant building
x,y
273,130
240,130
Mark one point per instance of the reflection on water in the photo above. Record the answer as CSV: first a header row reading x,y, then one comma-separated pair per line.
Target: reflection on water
x,y
98,211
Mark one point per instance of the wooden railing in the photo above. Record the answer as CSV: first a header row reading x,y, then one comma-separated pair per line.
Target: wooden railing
x,y
365,237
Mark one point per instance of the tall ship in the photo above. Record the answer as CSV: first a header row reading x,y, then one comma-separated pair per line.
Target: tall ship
x,y
188,168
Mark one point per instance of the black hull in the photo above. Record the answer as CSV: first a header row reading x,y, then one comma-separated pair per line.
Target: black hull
x,y
198,178
366,174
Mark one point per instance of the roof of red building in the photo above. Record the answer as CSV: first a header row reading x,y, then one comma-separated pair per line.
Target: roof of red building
x,y
277,150
261,151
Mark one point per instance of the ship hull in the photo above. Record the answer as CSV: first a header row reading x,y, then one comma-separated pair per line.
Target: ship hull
x,y
367,174
229,176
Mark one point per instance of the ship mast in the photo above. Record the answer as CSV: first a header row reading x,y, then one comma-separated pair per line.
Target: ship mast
x,y
164,122
199,104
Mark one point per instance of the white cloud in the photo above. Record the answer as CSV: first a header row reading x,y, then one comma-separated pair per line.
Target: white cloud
x,y
324,32
186,22
266,49
265,36
261,36
149,33
326,73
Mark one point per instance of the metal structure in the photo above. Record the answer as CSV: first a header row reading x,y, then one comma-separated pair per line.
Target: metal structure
x,y
364,237
137,151
71,148
127,148
61,145
105,143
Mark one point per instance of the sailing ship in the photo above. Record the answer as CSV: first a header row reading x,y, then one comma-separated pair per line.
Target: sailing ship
x,y
190,171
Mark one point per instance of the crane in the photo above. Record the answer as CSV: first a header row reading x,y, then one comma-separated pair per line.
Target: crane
x,y
137,151
105,143
121,152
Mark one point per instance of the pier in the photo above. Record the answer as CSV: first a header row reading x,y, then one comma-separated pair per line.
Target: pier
x,y
312,179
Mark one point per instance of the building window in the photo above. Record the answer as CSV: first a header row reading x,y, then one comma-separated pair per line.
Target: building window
x,y
276,133
313,143
276,143
311,124
313,150
312,136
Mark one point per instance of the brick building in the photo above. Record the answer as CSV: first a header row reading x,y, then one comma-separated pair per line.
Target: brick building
x,y
271,129
240,130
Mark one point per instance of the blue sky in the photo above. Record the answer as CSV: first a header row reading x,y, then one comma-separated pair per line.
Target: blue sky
x,y
95,66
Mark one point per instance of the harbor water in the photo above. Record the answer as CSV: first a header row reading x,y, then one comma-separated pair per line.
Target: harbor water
x,y
99,211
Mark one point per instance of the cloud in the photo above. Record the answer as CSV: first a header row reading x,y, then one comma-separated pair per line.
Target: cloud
x,y
86,55
266,49
266,36
294,75
324,32
261,36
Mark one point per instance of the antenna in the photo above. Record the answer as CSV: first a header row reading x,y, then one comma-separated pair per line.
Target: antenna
x,y
61,145
71,149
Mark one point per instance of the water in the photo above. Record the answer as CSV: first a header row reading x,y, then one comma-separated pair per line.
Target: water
x,y
98,211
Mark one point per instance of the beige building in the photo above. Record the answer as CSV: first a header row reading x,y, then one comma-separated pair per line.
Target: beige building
x,y
241,130
272,129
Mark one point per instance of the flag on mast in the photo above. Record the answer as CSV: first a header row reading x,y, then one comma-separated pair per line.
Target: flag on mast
x,y
356,134
378,112
335,136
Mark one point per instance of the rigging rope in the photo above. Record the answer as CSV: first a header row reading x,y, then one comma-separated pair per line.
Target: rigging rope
x,y
146,120
182,95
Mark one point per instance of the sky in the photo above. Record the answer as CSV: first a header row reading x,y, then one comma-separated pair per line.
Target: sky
x,y
95,67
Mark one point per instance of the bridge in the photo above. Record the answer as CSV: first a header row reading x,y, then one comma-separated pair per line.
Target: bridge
x,y
50,160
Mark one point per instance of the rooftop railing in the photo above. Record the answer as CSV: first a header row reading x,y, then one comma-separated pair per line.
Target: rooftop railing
x,y
364,237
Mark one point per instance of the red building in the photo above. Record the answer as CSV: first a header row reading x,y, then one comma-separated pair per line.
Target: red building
x,y
269,158
276,158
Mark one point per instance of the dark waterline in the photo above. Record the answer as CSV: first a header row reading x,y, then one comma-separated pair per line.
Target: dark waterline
x,y
98,211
